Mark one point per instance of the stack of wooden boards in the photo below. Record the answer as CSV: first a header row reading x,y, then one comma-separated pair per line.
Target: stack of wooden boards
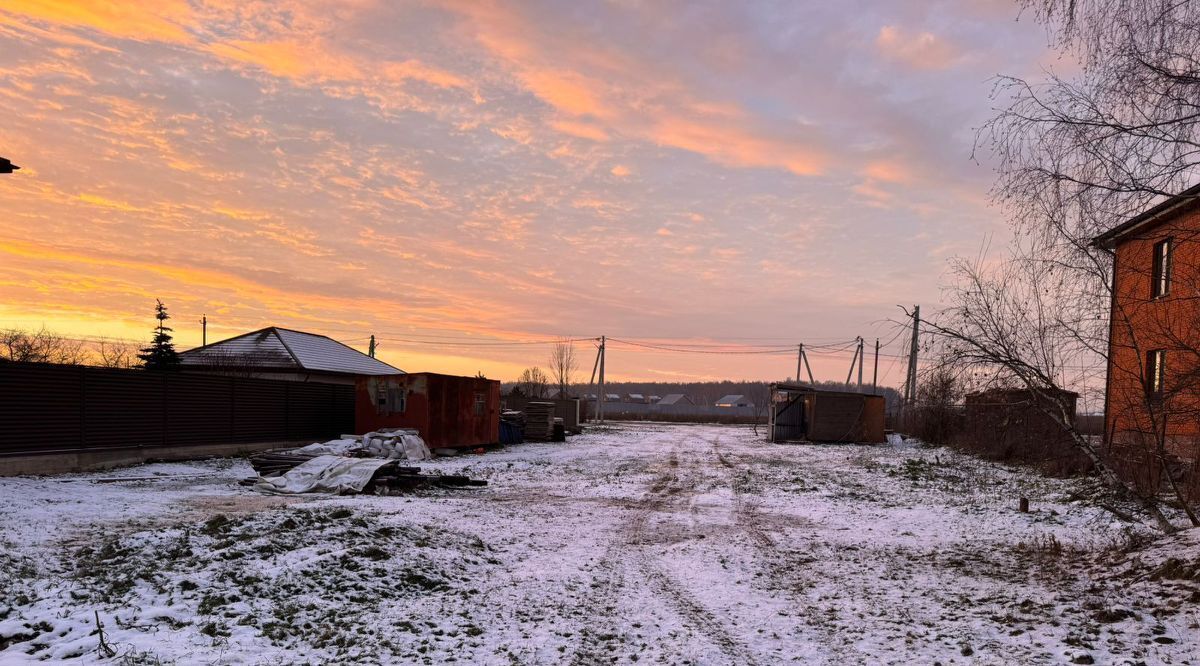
x,y
389,479
539,421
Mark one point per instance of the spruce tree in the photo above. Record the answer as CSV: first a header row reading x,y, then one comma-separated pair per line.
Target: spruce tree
x,y
161,354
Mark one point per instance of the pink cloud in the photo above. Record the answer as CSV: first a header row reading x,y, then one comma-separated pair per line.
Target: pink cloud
x,y
922,50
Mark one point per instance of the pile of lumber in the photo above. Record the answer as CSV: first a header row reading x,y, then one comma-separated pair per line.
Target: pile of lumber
x,y
391,478
539,421
274,463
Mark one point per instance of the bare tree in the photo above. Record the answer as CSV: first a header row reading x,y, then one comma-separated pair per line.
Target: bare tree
x,y
110,354
41,346
562,365
1005,325
533,382
759,394
1077,156
935,417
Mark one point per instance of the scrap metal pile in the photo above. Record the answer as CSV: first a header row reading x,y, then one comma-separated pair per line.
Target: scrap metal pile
x,y
351,465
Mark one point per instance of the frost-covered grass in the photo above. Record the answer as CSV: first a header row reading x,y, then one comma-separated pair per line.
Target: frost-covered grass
x,y
640,543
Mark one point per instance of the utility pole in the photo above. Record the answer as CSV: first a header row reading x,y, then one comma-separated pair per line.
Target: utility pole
x,y
592,381
860,362
203,330
600,396
875,376
910,385
371,348
807,367
853,359
799,361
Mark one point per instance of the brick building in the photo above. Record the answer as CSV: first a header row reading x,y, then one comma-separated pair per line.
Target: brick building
x,y
1152,396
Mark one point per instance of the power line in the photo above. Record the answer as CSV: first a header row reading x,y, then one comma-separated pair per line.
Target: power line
x,y
482,343
775,352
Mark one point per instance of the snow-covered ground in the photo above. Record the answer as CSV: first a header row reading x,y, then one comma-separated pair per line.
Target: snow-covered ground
x,y
639,543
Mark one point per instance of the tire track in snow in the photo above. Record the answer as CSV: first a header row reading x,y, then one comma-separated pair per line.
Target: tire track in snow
x,y
774,559
674,490
671,490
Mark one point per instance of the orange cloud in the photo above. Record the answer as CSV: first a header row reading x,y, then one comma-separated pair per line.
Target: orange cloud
x,y
290,59
923,50
164,21
580,130
888,171
618,95
733,146
620,171
567,91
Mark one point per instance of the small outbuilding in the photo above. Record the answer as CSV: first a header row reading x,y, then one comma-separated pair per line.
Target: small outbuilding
x,y
800,413
448,411
1019,425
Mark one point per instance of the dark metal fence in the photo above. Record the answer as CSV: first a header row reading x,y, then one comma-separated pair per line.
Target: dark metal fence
x,y
62,408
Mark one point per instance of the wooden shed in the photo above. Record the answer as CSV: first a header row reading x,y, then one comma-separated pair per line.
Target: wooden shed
x,y
801,413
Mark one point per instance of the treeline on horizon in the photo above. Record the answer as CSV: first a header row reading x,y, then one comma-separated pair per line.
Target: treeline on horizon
x,y
707,393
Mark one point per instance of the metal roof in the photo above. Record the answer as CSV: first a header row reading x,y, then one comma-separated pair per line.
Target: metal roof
x,y
673,399
284,349
1172,206
732,399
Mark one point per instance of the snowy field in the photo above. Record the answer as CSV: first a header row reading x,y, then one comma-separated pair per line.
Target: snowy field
x,y
636,544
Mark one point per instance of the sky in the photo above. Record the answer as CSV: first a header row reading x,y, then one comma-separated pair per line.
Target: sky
x,y
469,181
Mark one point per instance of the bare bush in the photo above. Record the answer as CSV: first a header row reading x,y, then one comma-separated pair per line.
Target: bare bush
x,y
41,346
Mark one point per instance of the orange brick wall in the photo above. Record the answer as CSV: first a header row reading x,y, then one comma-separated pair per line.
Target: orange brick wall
x,y
1140,324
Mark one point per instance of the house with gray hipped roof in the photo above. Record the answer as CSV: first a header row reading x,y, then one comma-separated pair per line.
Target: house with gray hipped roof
x,y
281,353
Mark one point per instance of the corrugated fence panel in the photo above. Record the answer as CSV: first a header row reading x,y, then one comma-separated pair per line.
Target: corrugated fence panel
x,y
836,418
309,413
343,409
123,409
56,408
260,411
39,407
200,409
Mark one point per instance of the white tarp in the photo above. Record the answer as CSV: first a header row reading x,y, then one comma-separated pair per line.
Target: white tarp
x,y
337,447
323,474
398,444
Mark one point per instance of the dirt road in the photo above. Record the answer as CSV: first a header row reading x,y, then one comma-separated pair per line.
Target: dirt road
x,y
631,544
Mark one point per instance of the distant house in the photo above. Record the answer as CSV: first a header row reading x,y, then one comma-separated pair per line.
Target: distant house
x,y
281,353
637,398
675,399
612,397
734,401
654,399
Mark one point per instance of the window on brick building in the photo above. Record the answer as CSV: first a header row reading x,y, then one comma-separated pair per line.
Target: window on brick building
x,y
1161,279
1155,372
